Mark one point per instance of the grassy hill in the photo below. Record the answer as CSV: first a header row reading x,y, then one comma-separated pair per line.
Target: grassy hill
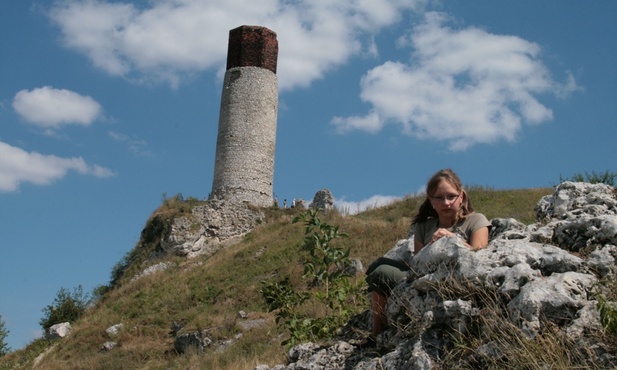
x,y
207,294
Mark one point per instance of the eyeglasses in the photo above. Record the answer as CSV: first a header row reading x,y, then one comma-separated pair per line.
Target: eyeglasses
x,y
447,198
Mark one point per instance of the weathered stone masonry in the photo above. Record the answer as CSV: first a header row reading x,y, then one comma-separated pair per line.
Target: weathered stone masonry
x,y
244,164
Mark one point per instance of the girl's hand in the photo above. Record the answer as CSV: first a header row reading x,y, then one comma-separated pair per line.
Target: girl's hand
x,y
440,233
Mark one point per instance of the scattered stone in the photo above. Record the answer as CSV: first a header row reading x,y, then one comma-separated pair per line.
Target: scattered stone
x,y
299,204
58,330
197,341
354,267
176,326
222,345
114,330
108,346
242,315
251,324
40,357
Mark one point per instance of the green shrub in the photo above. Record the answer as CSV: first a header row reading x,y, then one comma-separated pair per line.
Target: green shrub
x,y
594,177
67,306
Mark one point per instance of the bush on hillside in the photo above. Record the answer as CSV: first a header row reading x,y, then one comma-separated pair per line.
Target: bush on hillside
x,y
594,177
67,307
4,348
606,296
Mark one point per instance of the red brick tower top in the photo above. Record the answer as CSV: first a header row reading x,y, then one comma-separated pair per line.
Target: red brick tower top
x,y
252,46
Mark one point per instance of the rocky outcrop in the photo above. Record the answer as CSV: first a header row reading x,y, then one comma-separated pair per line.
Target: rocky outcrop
x,y
162,266
531,281
578,215
190,229
198,340
323,200
208,228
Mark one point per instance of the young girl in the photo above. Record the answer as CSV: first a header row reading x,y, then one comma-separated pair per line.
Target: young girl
x,y
447,211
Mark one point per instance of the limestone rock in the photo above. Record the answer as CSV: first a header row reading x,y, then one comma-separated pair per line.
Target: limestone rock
x,y
108,346
299,204
162,266
197,341
557,298
114,330
58,330
209,228
580,215
602,260
402,250
323,200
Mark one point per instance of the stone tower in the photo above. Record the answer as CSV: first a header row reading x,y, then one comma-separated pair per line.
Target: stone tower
x,y
244,164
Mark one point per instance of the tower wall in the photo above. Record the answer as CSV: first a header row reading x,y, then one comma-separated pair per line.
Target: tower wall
x,y
244,164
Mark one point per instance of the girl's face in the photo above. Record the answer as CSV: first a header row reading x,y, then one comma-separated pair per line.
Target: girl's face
x,y
446,199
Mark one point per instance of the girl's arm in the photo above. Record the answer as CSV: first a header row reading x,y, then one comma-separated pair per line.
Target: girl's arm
x,y
479,239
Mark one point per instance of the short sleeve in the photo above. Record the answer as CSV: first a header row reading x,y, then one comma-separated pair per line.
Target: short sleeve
x,y
425,230
473,223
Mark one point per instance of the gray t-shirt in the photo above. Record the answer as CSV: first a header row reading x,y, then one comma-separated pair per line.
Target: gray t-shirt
x,y
473,222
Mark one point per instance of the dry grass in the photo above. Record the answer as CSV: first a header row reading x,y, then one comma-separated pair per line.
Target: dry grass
x,y
207,293
490,339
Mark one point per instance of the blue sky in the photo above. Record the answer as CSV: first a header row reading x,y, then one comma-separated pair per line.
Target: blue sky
x,y
105,106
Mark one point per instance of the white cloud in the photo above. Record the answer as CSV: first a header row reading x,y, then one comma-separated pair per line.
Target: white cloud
x,y
18,166
50,108
375,201
463,86
371,122
136,146
170,39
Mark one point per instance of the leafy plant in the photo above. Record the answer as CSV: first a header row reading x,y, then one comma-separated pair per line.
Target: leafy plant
x,y
67,306
606,295
330,286
4,348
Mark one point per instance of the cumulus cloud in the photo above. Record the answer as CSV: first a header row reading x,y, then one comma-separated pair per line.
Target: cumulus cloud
x,y
18,166
51,108
375,201
464,87
167,40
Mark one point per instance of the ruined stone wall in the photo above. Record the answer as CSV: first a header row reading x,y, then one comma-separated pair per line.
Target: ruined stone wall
x,y
244,164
